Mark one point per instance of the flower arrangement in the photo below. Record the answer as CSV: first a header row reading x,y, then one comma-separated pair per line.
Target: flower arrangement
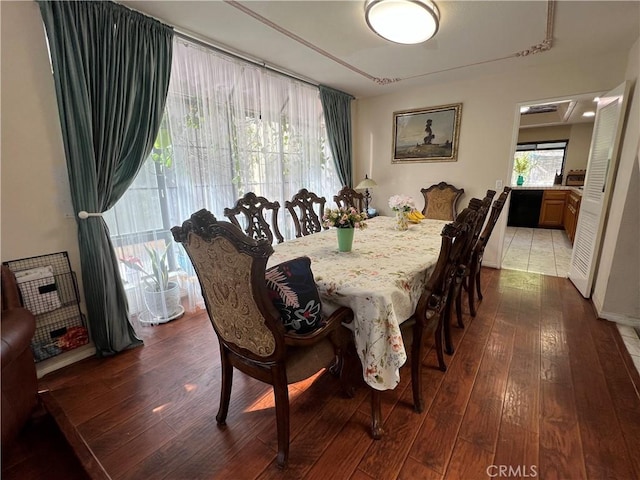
x,y
344,218
401,203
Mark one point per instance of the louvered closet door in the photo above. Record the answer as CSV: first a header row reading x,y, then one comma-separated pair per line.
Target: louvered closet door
x,y
601,168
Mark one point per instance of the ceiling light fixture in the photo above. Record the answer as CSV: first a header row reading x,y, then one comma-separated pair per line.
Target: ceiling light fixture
x,y
403,21
589,114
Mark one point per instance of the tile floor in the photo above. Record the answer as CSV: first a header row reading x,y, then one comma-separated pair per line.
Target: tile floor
x,y
538,250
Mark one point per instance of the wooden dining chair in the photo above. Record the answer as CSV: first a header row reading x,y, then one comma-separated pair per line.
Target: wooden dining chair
x,y
348,197
462,279
469,217
252,209
231,269
440,201
475,283
306,210
433,304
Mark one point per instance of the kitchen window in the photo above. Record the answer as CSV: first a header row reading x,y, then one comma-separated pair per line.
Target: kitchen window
x,y
539,162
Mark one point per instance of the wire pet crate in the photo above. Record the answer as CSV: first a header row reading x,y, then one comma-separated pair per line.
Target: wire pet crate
x,y
49,289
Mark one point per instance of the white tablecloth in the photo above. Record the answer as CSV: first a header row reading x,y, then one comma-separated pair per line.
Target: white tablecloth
x,y
381,280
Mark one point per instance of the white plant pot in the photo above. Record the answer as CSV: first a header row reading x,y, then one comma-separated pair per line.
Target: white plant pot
x,y
163,305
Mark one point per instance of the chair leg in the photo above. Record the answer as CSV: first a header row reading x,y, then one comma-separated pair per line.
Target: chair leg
x,y
416,366
448,344
376,414
281,394
438,337
458,295
478,283
471,292
346,360
225,390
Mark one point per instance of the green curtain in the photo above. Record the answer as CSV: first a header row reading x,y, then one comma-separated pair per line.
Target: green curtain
x,y
111,68
337,118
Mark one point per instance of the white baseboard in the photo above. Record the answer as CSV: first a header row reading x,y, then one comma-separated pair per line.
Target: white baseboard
x,y
621,319
597,303
64,359
490,264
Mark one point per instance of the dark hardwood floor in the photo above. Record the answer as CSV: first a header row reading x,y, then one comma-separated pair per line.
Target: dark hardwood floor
x,y
537,387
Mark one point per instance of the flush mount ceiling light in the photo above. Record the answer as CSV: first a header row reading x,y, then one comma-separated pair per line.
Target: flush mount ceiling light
x,y
403,21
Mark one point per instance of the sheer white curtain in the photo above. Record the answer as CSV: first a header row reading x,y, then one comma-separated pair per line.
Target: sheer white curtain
x,y
230,127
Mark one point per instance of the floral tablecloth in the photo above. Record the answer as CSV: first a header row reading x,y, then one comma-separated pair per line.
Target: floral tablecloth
x,y
381,280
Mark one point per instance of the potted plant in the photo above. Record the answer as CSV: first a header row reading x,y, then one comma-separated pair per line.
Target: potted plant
x,y
161,296
521,166
346,220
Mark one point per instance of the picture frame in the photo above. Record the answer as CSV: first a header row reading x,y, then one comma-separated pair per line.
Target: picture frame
x,y
427,134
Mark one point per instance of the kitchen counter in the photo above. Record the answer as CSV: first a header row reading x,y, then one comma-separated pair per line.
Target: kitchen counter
x,y
578,190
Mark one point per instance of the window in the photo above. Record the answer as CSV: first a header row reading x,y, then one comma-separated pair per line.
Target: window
x,y
539,163
229,128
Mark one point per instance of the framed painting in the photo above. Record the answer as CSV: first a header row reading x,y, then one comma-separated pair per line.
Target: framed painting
x,y
426,134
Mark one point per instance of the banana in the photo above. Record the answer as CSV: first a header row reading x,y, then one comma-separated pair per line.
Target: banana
x,y
415,216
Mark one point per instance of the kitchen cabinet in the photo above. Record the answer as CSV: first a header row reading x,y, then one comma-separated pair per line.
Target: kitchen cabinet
x,y
571,211
553,208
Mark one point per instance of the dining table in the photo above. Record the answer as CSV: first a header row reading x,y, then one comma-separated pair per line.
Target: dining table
x,y
381,280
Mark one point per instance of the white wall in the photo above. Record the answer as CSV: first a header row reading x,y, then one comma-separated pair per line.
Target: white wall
x,y
578,150
488,129
616,292
36,212
35,187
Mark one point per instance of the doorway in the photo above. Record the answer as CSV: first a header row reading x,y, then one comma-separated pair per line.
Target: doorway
x,y
530,242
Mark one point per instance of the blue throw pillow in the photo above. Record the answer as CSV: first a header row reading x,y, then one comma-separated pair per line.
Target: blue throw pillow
x,y
294,293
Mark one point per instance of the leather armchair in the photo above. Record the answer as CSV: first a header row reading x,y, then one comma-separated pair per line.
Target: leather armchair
x,y
19,381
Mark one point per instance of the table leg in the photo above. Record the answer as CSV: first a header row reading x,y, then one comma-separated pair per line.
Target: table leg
x,y
376,415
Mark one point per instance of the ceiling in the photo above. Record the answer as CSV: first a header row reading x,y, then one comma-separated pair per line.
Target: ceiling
x,y
561,112
328,42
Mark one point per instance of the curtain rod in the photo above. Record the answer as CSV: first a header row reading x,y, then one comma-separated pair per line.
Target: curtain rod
x,y
190,36
217,48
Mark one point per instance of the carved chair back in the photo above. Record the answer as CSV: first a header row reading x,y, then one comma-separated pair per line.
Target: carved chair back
x,y
253,208
440,201
231,269
455,239
348,197
496,210
472,219
306,210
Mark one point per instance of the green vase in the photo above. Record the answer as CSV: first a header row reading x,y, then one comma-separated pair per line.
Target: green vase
x,y
345,239
520,180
